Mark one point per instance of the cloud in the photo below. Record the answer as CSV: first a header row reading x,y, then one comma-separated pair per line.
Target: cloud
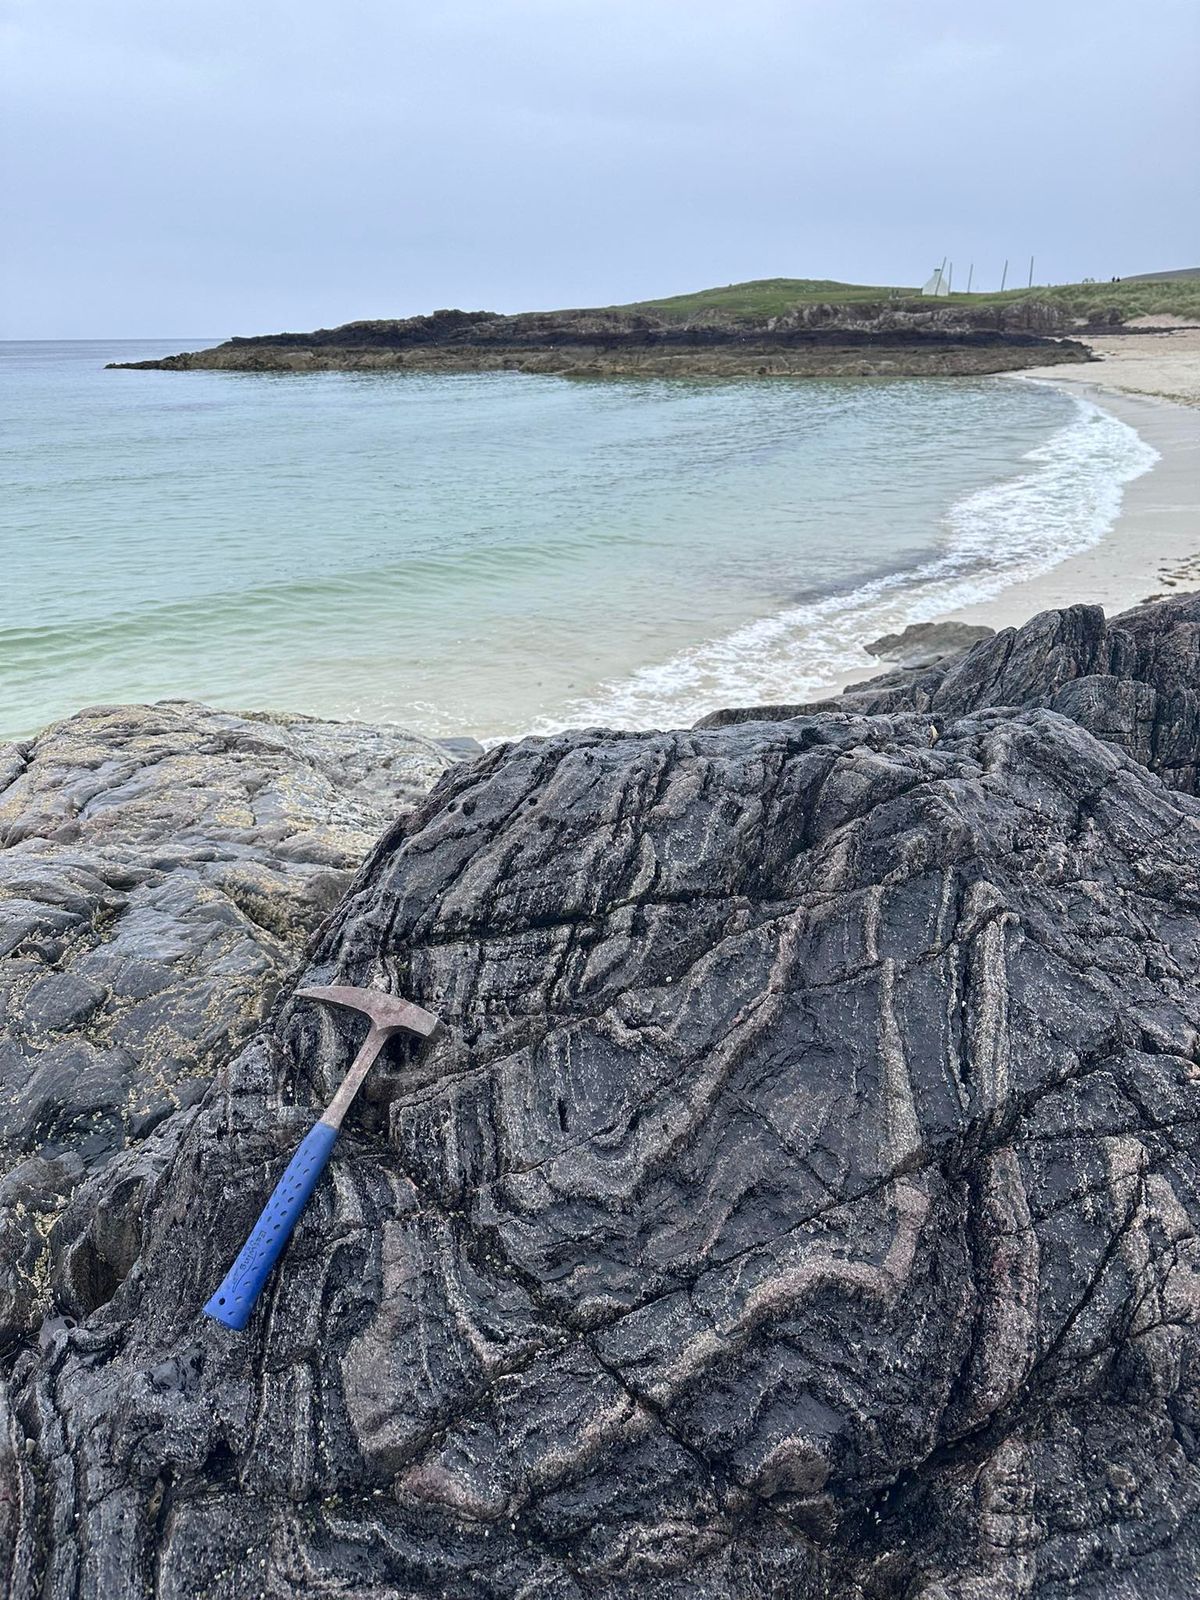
x,y
213,167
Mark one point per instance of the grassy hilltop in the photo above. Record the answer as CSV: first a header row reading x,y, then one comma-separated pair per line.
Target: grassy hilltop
x,y
798,327
1175,294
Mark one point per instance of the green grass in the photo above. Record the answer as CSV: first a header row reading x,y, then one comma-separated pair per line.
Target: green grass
x,y
1165,277
765,297
1132,297
1177,294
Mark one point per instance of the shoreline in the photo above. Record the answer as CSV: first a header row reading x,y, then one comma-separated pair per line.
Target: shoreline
x,y
1153,548
1151,552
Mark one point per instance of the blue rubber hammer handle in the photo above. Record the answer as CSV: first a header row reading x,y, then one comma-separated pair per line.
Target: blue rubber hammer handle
x,y
389,1014
238,1294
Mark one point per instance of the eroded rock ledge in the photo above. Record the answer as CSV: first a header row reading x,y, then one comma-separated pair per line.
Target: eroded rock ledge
x,y
886,339
802,1200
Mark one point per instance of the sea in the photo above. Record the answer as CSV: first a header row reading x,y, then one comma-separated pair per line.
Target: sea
x,y
498,554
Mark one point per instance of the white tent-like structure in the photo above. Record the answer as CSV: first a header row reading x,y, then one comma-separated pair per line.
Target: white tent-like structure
x,y
938,284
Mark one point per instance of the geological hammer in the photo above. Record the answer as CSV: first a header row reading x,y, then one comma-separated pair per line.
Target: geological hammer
x,y
237,1295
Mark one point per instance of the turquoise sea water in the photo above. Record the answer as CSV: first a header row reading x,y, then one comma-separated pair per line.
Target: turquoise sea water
x,y
498,553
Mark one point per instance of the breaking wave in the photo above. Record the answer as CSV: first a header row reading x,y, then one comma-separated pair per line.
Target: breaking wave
x,y
994,537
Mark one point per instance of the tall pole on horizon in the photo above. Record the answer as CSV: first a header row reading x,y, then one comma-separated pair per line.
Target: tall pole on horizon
x,y
1031,272
1004,277
950,280
970,275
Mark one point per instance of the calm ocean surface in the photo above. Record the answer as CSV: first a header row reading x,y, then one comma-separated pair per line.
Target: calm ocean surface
x,y
499,553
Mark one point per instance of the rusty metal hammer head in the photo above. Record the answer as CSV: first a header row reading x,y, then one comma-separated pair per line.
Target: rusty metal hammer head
x,y
389,1013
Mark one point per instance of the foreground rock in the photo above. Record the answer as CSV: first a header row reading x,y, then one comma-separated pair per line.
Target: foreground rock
x,y
923,643
161,868
1133,681
884,339
802,1201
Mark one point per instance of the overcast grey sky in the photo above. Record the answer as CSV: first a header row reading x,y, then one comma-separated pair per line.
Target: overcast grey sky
x,y
206,167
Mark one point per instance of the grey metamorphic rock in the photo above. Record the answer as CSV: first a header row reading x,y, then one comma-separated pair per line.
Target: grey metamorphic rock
x,y
161,868
922,643
1134,680
801,1201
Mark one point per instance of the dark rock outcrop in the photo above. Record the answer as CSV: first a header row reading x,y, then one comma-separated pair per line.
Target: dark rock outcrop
x,y
888,338
802,1201
923,643
1133,681
161,868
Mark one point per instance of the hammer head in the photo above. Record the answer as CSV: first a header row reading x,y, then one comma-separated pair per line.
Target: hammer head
x,y
389,1013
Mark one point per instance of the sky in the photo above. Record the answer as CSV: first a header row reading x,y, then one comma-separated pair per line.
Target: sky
x,y
210,167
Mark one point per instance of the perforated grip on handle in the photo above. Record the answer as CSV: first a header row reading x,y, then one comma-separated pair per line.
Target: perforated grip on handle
x,y
235,1299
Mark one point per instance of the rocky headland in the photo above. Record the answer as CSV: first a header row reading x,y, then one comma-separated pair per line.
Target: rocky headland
x,y
802,1199
887,338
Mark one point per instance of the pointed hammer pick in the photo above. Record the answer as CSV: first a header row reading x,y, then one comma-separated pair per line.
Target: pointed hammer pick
x,y
235,1299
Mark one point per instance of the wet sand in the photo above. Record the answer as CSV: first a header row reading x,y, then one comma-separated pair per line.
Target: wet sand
x,y
1151,382
1153,550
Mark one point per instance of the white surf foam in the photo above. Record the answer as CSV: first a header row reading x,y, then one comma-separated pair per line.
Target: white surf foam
x,y
997,536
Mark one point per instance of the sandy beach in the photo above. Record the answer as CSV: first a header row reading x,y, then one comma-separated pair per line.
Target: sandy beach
x,y
1164,364
1154,549
1152,382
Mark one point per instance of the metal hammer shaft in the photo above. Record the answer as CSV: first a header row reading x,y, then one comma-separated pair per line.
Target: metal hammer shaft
x,y
238,1294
